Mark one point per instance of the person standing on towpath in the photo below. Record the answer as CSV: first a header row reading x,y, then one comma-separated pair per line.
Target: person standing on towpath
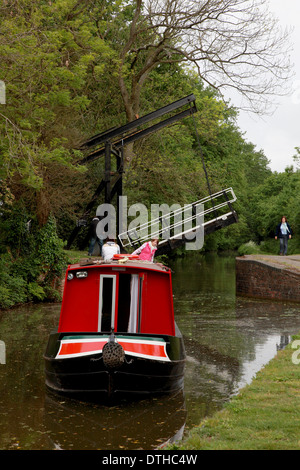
x,y
283,232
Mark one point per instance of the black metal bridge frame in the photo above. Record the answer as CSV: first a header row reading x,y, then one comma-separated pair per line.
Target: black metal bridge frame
x,y
112,142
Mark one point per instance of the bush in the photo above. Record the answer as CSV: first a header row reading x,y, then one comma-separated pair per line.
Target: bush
x,y
50,252
13,289
249,248
32,275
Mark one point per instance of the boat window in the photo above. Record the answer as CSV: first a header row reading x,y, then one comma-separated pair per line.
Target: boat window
x,y
106,314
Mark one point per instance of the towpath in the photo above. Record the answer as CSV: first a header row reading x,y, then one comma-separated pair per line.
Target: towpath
x,y
286,262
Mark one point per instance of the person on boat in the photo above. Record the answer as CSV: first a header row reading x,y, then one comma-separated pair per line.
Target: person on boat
x,y
147,250
94,237
283,232
110,248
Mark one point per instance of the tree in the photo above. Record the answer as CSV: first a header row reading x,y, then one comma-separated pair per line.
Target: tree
x,y
47,53
235,44
58,59
296,158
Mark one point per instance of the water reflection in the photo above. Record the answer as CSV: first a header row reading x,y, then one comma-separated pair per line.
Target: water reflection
x,y
227,340
145,424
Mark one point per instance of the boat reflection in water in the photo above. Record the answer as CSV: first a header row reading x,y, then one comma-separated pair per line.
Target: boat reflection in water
x,y
143,424
116,333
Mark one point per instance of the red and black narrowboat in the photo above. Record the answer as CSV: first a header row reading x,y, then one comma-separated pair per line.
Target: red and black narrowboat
x,y
116,333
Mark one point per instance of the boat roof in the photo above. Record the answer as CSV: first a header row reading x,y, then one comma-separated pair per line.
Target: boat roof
x,y
119,263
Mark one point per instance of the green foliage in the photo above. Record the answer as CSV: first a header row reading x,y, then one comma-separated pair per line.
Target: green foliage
x,y
12,287
67,66
277,196
249,248
53,57
31,275
50,251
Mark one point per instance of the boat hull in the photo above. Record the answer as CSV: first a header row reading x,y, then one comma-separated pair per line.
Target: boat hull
x,y
150,364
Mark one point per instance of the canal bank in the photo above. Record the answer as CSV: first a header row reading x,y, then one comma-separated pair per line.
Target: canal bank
x,y
265,415
268,277
228,339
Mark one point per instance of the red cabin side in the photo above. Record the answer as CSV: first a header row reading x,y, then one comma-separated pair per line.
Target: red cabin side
x,y
157,310
128,299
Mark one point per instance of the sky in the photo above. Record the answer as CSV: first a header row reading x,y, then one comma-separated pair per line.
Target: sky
x,y
278,135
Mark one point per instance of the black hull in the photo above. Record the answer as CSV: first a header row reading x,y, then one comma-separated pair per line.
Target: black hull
x,y
136,376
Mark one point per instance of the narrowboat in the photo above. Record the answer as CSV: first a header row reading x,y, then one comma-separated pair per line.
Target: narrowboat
x,y
116,333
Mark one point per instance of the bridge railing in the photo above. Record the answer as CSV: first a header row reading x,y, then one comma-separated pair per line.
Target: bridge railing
x,y
181,221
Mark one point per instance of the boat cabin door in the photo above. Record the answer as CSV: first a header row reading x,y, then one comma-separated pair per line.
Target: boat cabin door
x,y
120,302
107,302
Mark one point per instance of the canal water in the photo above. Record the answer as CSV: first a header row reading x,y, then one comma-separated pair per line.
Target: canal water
x,y
227,339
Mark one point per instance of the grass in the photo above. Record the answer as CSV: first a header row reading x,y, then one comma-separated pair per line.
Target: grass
x,y
74,256
268,247
265,415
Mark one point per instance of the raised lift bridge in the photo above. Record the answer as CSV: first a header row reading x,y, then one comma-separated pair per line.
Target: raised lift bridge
x,y
208,214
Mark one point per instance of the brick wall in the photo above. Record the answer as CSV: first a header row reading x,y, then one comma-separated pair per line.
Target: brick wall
x,y
255,278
